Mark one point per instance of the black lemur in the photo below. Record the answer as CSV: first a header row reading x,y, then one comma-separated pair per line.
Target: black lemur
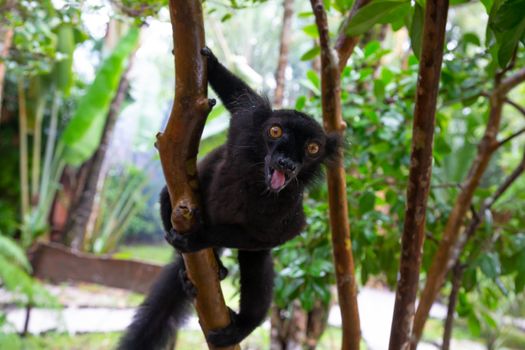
x,y
252,190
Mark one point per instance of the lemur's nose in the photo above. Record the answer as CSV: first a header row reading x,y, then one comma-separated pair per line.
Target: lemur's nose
x,y
286,164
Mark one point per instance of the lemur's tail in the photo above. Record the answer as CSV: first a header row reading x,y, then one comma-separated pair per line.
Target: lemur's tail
x,y
164,310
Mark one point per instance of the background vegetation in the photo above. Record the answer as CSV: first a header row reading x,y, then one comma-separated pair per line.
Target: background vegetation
x,y
89,83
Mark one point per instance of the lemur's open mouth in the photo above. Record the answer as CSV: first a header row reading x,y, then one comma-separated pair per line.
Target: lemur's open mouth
x,y
277,179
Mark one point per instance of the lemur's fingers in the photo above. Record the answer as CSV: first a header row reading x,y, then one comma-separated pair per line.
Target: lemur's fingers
x,y
212,60
205,51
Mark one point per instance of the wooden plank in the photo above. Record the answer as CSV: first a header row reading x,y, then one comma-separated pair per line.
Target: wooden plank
x,y
57,263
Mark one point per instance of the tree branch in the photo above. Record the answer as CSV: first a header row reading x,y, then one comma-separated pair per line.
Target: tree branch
x,y
510,82
509,138
451,310
338,206
345,43
516,106
178,147
420,172
283,53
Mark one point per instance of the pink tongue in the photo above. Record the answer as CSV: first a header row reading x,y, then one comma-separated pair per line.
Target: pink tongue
x,y
278,180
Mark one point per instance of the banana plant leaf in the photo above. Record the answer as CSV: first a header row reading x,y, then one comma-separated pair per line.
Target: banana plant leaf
x,y
82,134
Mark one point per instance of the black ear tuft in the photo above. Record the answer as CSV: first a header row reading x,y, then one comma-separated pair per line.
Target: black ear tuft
x,y
333,148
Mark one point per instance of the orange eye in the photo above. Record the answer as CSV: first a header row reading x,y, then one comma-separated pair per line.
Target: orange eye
x,y
313,148
275,132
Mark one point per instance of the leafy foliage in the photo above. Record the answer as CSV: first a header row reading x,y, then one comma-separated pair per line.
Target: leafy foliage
x,y
82,134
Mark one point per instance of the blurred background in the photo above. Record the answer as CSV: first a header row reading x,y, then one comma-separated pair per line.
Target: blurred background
x,y
86,85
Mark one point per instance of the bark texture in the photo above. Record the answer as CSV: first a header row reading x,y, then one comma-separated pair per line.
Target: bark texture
x,y
77,227
420,172
336,178
286,38
178,146
446,254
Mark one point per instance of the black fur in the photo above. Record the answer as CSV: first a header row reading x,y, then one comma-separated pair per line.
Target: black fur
x,y
252,189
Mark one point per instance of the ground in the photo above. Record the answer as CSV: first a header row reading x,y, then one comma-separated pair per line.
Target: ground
x,y
94,316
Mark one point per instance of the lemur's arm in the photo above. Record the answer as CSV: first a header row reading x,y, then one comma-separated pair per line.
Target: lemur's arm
x,y
227,86
217,236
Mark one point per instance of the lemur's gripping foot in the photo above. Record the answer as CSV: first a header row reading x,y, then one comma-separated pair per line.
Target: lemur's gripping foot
x,y
188,287
229,335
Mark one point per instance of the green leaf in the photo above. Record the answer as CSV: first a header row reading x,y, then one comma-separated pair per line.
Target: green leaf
x,y
473,324
375,12
379,90
82,134
416,29
471,38
490,265
519,282
509,15
300,102
311,30
314,78
371,48
310,54
13,252
367,202
508,24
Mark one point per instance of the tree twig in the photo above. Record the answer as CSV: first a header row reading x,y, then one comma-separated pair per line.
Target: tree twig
x,y
420,172
178,146
336,178
457,274
510,138
509,83
516,106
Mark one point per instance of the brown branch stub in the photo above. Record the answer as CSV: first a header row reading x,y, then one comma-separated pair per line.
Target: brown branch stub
x,y
420,172
345,43
336,179
178,146
509,83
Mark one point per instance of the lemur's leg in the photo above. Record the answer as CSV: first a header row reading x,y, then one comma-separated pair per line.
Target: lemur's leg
x,y
256,296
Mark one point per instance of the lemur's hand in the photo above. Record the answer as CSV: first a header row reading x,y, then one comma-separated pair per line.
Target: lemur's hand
x,y
211,59
186,243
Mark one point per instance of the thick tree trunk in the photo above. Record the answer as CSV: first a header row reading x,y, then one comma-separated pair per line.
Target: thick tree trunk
x,y
286,37
178,146
79,216
336,178
420,172
446,254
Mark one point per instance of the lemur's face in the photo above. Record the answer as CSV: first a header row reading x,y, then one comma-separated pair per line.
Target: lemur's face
x,y
296,146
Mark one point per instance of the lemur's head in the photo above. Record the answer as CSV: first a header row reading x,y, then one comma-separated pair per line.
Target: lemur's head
x,y
289,145
296,146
